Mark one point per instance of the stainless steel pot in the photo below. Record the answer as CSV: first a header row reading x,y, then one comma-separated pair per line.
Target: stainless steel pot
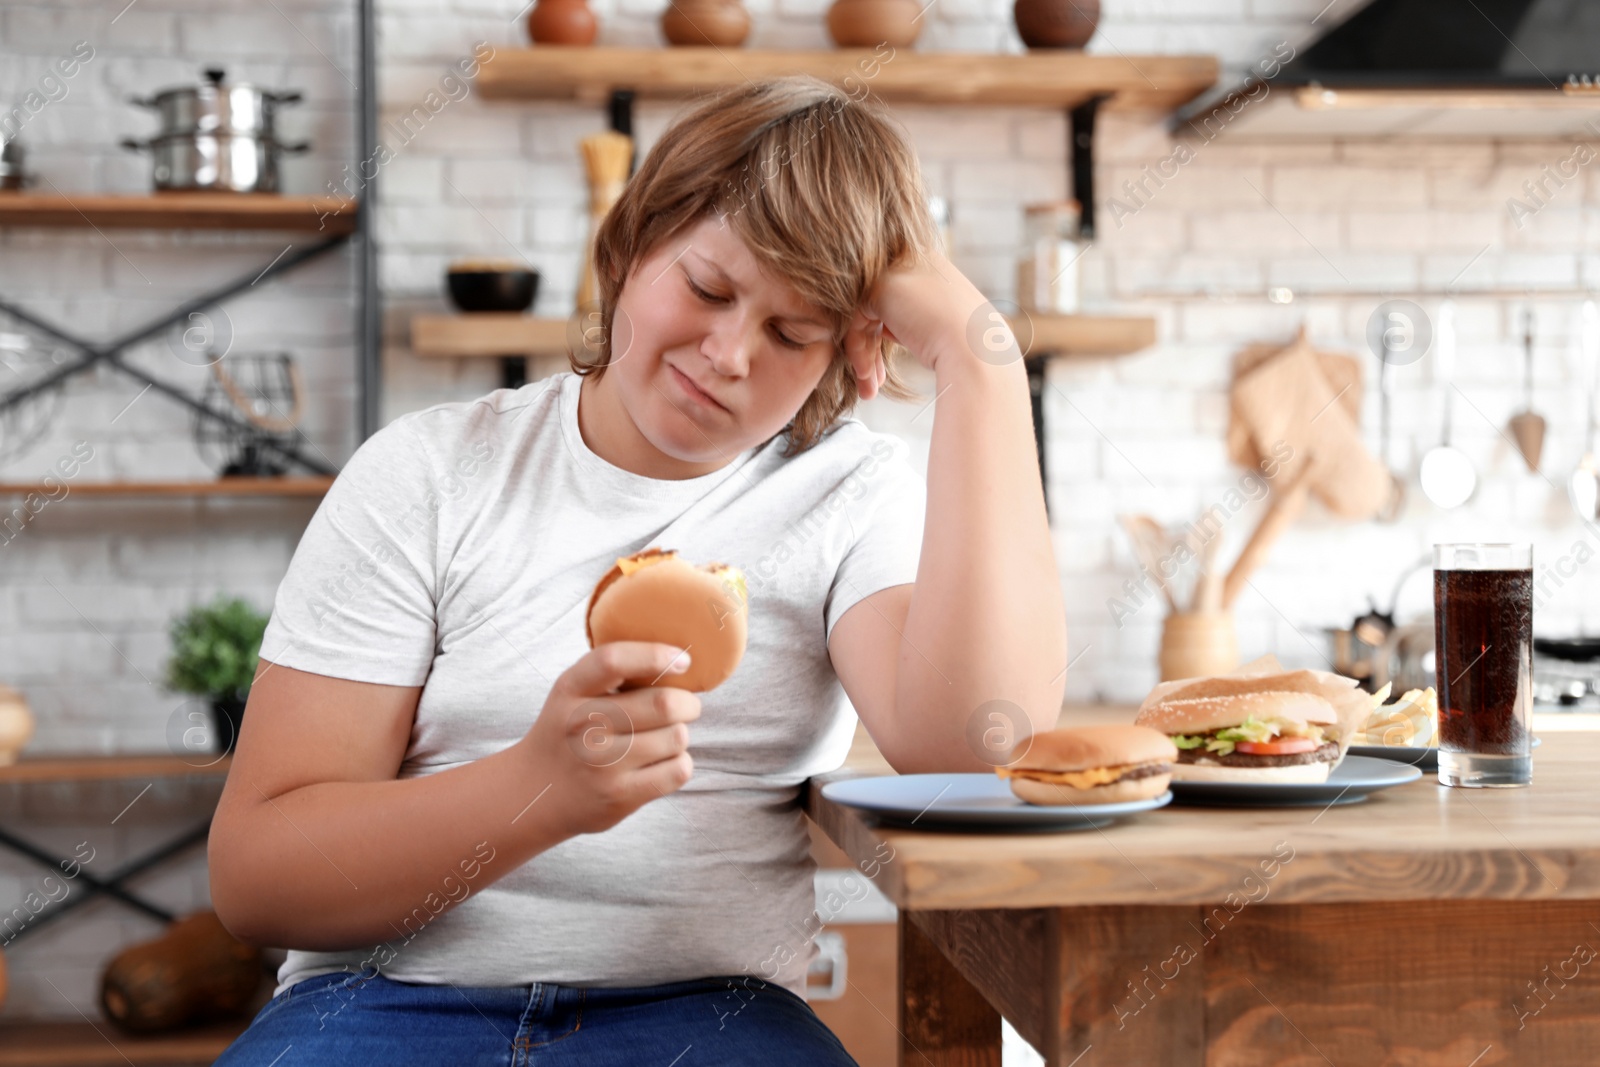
x,y
216,107
222,162
12,176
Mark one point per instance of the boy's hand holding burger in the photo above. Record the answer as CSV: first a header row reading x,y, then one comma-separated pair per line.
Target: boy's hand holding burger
x,y
613,733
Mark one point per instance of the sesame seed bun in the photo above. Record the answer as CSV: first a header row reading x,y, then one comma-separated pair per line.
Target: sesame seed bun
x,y
1301,681
1202,714
656,596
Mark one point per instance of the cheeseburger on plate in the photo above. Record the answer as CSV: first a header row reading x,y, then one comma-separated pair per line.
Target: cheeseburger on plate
x,y
1092,765
1287,726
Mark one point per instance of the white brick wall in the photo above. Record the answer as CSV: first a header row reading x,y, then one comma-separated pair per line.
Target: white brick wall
x,y
502,179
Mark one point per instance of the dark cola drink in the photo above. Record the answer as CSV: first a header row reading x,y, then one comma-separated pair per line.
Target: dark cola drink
x,y
1483,662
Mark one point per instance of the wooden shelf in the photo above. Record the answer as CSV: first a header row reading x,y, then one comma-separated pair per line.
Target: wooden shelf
x,y
102,1044
111,768
486,334
182,211
1062,79
1090,335
232,486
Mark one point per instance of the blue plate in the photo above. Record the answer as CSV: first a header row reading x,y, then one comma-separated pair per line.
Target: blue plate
x,y
971,802
1356,778
1424,759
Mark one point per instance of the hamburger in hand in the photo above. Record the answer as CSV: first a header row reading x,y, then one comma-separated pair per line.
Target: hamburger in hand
x,y
1278,728
656,596
1092,765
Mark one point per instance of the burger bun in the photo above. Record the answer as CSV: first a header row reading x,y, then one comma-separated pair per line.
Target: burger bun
x,y
1082,748
1087,748
1216,772
704,610
1120,791
1202,714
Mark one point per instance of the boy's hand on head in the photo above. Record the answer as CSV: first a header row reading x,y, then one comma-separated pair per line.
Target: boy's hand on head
x,y
925,305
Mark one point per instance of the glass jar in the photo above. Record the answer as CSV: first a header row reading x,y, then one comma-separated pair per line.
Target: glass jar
x,y
1047,268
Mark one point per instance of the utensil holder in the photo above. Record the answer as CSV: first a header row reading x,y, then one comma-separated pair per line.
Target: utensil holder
x,y
1197,644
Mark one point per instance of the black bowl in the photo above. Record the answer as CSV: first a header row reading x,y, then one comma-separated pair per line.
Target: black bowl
x,y
493,290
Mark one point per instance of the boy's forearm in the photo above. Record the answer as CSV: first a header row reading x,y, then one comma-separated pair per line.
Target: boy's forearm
x,y
340,865
986,620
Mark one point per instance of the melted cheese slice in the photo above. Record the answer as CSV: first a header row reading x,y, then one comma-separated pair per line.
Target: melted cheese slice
x,y
1077,779
628,566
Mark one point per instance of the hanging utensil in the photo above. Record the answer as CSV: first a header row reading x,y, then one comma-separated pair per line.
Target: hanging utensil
x,y
1527,428
1447,475
1583,488
1397,493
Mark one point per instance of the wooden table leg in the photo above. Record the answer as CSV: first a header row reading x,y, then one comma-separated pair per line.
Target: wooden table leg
x,y
944,1020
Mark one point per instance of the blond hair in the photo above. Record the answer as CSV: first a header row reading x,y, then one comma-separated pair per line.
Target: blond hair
x,y
821,187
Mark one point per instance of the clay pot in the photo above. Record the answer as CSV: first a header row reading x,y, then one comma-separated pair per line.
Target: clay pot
x,y
869,23
1056,23
724,23
562,22
1198,644
194,972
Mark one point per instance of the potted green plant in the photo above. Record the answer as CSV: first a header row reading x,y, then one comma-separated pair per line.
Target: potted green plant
x,y
214,652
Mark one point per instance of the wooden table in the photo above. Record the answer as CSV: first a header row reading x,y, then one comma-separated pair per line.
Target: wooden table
x,y
1426,926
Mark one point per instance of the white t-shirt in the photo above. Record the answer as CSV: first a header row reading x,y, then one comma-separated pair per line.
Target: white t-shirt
x,y
457,550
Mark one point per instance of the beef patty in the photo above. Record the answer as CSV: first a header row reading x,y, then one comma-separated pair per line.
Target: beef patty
x,y
1146,770
1327,753
1143,770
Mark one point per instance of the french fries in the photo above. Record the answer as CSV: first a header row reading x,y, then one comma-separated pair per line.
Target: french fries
x,y
1410,722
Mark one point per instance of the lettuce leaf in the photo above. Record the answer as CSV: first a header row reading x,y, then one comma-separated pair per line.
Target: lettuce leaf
x,y
1252,729
1222,742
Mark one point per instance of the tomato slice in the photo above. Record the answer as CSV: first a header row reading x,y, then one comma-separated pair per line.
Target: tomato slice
x,y
1283,746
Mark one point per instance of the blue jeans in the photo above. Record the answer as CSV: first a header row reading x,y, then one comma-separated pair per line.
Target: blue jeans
x,y
344,1018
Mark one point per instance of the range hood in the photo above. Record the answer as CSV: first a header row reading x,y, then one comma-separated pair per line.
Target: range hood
x,y
1443,69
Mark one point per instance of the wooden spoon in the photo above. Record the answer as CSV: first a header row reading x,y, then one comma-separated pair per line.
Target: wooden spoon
x,y
1208,590
1287,504
1148,539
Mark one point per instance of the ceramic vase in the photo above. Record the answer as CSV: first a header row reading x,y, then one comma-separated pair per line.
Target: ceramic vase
x,y
16,724
568,22
869,23
723,23
1056,23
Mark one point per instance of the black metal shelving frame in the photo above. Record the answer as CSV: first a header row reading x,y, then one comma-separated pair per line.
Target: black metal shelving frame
x,y
369,383
368,300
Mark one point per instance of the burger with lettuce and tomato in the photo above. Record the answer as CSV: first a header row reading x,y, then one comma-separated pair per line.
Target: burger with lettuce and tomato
x,y
1278,729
